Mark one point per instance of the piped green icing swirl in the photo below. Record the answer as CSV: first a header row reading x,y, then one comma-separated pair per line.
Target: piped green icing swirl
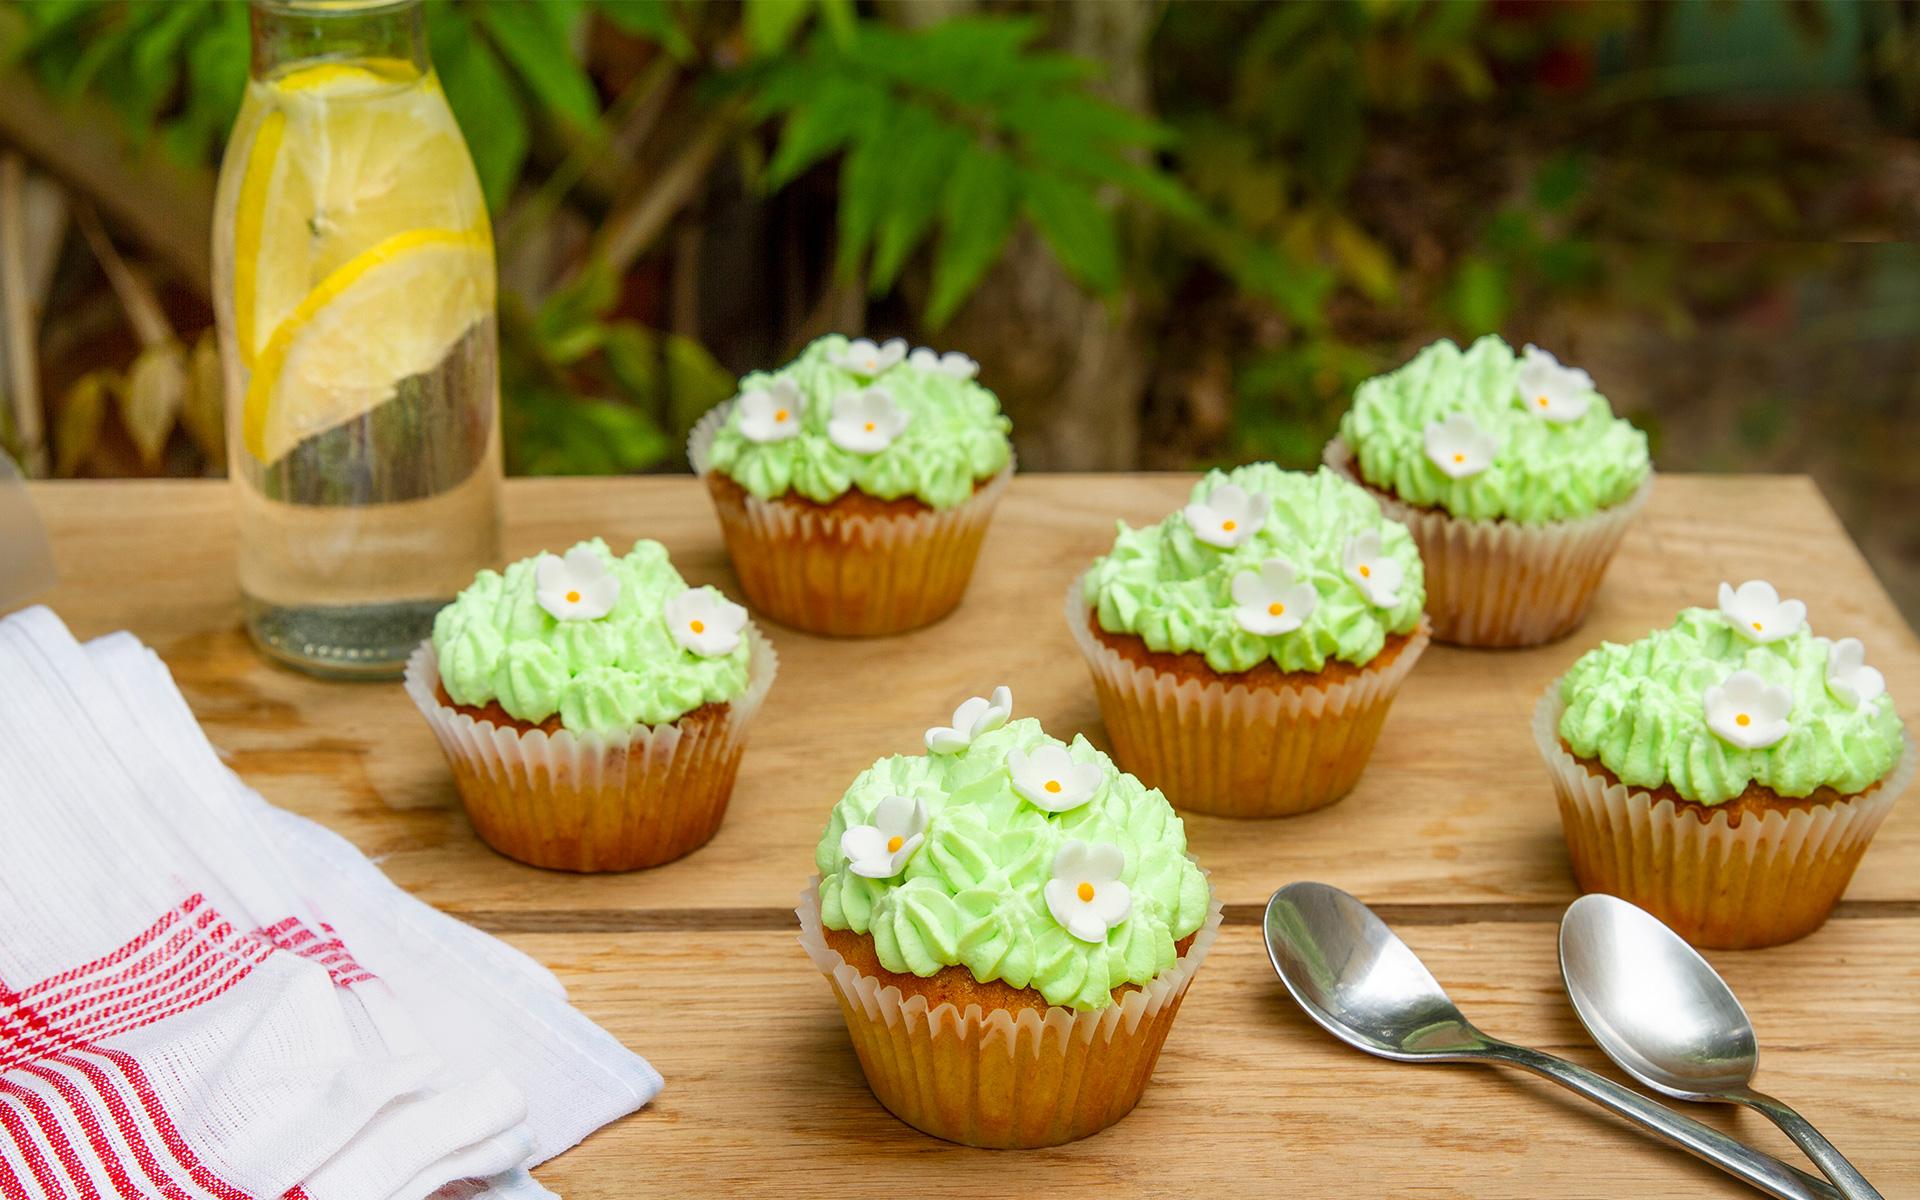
x,y
1639,709
955,436
973,894
1544,470
1175,592
496,643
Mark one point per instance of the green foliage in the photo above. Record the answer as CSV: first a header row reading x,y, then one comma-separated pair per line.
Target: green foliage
x,y
594,395
954,133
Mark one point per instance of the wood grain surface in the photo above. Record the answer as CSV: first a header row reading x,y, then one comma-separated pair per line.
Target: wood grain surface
x,y
1452,834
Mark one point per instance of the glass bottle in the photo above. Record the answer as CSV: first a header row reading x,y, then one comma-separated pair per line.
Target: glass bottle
x,y
353,281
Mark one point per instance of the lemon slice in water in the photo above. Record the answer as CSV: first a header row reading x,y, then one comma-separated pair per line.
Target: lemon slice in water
x,y
392,312
356,187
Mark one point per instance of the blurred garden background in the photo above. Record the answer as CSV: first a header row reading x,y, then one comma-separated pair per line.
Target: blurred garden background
x,y
1172,233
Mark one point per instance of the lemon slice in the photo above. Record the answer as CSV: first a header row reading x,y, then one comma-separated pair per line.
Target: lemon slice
x,y
345,155
388,314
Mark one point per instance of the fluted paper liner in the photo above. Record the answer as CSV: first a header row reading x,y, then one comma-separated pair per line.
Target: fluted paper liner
x,y
1222,747
1501,583
1769,878
846,574
595,801
1002,1079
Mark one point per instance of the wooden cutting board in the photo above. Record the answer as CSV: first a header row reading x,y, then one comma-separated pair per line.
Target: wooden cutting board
x,y
1452,836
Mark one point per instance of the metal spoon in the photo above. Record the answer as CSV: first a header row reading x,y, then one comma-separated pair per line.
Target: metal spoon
x,y
1364,986
1659,1010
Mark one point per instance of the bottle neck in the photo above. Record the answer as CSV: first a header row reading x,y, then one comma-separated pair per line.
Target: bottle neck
x,y
286,32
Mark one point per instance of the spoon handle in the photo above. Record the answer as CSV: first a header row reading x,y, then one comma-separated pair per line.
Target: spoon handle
x,y
1852,1184
1736,1158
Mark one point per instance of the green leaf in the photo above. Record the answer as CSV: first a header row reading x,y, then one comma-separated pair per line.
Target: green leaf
x,y
653,20
1076,226
1478,297
865,176
977,214
537,40
568,326
483,102
926,149
695,383
771,24
838,110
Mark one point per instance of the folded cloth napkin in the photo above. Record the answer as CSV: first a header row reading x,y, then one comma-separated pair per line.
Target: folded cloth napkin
x,y
204,996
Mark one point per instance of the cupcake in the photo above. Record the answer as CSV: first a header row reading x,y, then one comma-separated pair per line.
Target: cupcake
x,y
854,484
593,708
1725,773
1009,923
1246,649
1514,475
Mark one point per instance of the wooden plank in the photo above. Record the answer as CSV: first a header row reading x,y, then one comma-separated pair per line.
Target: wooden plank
x,y
1453,810
1250,1098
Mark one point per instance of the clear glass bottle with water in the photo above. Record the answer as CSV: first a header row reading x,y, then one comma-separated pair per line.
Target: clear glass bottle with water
x,y
354,290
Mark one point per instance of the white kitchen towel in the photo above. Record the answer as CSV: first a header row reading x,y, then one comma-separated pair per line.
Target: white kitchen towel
x,y
201,995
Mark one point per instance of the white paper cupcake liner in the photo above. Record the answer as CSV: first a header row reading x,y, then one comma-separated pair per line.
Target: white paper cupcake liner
x,y
595,801
1721,883
1501,583
1223,747
846,574
1004,1079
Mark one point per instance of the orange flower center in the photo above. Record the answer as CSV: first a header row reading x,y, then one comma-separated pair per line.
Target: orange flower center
x,y
894,843
1053,785
1743,720
1366,572
780,414
697,626
1459,458
1276,609
1757,629
1542,402
1229,526
869,426
1085,892
573,597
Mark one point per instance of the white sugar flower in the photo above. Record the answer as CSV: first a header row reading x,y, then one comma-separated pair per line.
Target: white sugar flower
x,y
1270,602
862,357
1459,447
1085,894
1758,612
1551,391
579,587
1378,575
1050,779
705,622
951,363
771,414
865,422
881,850
1228,516
975,716
1748,711
1849,677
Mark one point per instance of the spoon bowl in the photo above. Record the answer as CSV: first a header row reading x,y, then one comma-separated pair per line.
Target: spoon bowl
x,y
1652,1003
1663,1013
1359,981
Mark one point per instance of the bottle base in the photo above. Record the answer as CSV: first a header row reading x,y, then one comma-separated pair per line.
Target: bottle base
x,y
347,641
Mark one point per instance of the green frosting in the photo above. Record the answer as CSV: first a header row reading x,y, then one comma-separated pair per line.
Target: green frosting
x,y
1639,710
955,436
495,642
1175,592
973,895
1544,470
